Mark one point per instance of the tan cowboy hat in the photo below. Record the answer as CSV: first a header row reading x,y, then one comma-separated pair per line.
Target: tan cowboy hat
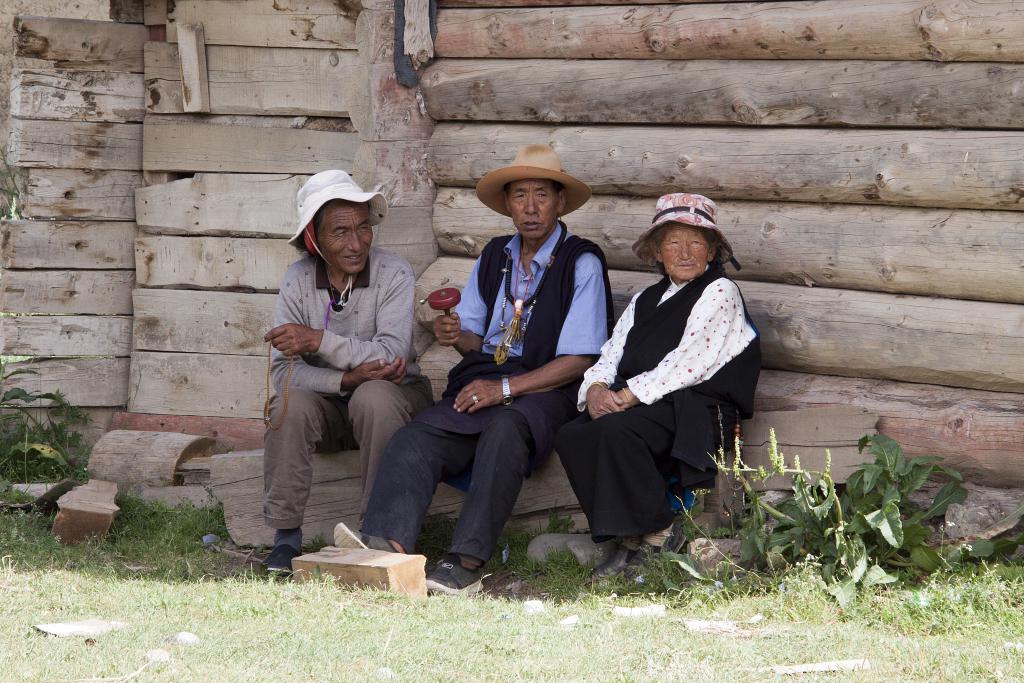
x,y
532,161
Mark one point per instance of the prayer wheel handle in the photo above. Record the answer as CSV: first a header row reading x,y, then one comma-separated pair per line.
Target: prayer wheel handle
x,y
443,299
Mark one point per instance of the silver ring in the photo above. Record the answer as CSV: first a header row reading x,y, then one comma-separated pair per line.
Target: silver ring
x,y
474,398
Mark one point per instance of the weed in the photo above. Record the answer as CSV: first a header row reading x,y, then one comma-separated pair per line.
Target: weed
x,y
10,191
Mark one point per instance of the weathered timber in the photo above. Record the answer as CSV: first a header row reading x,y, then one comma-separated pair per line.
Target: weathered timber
x,y
239,434
83,381
383,109
74,144
254,80
154,12
419,44
85,512
237,481
221,204
202,322
435,364
177,144
364,568
80,44
375,35
724,92
134,459
978,432
212,262
884,249
197,384
66,292
939,30
64,244
61,95
127,11
194,470
969,169
195,84
269,23
465,4
80,193
399,167
193,495
406,232
65,335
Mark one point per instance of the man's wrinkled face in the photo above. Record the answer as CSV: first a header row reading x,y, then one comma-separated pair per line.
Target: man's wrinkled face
x,y
535,206
345,235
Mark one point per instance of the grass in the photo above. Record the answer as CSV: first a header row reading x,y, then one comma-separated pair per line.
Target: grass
x,y
153,573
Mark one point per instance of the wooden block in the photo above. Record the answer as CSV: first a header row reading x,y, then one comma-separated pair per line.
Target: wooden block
x,y
195,85
74,144
65,335
85,512
194,471
270,23
386,110
236,434
364,568
132,459
127,11
399,168
83,381
154,12
90,245
62,95
419,44
178,496
80,194
202,322
198,384
67,292
81,44
212,262
375,31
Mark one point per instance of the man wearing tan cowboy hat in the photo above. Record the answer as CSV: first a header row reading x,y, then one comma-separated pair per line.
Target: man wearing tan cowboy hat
x,y
342,360
534,314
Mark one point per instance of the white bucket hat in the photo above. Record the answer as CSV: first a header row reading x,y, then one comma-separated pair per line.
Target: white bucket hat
x,y
327,185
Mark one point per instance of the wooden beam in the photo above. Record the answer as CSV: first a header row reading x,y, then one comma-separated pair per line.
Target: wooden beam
x,y
364,568
212,262
197,384
965,169
258,80
86,245
876,248
939,30
202,322
67,292
127,11
80,193
238,434
399,168
71,144
60,95
724,92
83,381
80,44
270,23
195,85
216,144
63,336
383,109
133,459
419,44
154,12
479,4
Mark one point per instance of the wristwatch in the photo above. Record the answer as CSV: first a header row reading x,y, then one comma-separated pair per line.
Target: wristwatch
x,y
506,391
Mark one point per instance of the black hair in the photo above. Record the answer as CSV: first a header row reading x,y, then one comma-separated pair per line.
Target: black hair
x,y
558,186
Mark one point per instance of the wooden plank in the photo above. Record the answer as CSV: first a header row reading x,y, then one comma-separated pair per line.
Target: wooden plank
x,y
221,204
237,434
134,459
939,30
364,568
465,4
80,44
80,193
154,12
258,80
85,512
419,44
978,432
204,145
398,167
86,245
127,11
383,109
195,85
72,144
212,262
725,92
270,23
967,169
67,292
406,232
83,381
61,95
883,249
197,384
65,335
202,322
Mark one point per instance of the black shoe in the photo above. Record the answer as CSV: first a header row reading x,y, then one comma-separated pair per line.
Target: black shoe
x,y
279,561
616,562
451,578
673,544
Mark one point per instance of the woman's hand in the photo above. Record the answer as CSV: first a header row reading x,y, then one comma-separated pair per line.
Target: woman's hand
x,y
602,401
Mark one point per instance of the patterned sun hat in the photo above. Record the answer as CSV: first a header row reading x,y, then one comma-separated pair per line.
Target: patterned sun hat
x,y
687,209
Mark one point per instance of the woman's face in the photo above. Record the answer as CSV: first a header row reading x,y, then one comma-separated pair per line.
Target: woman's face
x,y
684,252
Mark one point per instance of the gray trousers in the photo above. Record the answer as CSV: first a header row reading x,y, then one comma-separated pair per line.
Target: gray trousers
x,y
315,423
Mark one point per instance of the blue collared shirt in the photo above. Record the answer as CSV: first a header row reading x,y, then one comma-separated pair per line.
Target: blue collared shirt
x,y
584,330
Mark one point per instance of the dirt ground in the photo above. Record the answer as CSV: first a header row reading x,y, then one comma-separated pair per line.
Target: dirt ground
x,y
78,9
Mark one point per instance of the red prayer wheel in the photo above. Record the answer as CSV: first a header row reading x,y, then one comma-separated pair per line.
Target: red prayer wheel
x,y
444,299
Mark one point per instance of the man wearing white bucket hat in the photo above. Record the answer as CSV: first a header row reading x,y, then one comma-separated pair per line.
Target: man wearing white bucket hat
x,y
342,356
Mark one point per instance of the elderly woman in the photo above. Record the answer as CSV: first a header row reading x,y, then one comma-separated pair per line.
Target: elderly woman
x,y
677,374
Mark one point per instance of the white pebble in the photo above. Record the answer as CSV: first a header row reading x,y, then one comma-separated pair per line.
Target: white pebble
x,y
533,606
185,638
570,621
639,612
386,674
158,655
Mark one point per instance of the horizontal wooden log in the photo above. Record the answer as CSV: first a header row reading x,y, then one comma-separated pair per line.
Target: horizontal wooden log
x,y
67,292
212,262
90,245
383,109
197,384
61,95
202,322
257,80
177,144
270,23
559,3
233,433
940,30
83,381
127,11
978,432
884,249
968,169
80,193
133,459
221,204
80,44
65,335
724,92
72,144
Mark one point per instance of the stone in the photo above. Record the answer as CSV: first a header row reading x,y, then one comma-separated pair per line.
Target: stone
x,y
711,556
983,508
586,551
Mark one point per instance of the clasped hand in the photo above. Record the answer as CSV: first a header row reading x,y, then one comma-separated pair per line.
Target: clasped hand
x,y
447,329
603,401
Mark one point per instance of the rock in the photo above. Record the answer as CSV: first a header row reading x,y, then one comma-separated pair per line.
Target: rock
x,y
543,546
709,555
586,551
983,508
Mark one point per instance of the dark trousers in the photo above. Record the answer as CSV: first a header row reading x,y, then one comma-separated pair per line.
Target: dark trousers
x,y
420,455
